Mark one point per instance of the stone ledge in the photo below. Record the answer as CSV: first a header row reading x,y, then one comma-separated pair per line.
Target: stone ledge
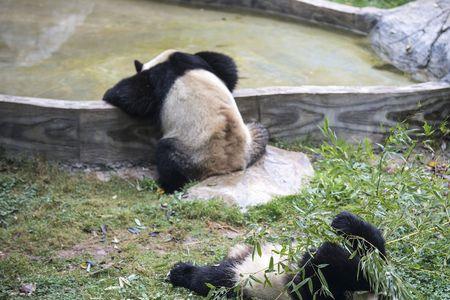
x,y
277,173
359,20
95,132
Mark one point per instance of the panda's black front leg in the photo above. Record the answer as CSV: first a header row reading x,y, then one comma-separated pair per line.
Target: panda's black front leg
x,y
174,165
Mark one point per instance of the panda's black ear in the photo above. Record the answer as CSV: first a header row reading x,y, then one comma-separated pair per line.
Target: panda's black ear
x,y
223,66
138,65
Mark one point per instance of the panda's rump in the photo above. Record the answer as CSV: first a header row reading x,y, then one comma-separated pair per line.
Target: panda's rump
x,y
201,113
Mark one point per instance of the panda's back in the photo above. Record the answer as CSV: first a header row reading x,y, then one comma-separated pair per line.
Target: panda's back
x,y
201,113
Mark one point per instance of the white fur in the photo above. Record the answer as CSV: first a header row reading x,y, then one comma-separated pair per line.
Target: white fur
x,y
259,264
239,251
192,110
186,102
364,296
256,267
157,60
201,114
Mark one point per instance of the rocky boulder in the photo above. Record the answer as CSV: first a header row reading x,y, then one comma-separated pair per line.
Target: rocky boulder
x,y
277,173
416,39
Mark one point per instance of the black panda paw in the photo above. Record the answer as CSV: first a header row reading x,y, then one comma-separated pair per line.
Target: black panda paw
x,y
180,274
347,223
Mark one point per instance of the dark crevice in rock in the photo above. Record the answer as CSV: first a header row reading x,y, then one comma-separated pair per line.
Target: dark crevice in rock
x,y
433,43
423,30
408,36
442,4
415,38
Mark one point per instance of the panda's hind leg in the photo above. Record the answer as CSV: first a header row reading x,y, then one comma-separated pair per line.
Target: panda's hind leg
x,y
174,165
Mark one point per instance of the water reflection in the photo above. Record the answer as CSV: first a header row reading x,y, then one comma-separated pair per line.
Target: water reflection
x,y
77,49
32,34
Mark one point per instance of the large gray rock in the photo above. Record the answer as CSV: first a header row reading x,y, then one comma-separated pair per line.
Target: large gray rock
x,y
277,173
416,39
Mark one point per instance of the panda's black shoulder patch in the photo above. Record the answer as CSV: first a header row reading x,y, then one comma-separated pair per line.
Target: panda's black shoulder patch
x,y
182,62
219,64
142,94
223,66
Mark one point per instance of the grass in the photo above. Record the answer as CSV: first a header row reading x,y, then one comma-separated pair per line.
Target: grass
x,y
374,3
52,223
45,213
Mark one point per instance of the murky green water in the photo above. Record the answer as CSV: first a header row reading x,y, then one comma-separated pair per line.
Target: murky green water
x,y
76,49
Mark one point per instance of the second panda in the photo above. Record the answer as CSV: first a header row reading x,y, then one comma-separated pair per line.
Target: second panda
x,y
339,266
190,97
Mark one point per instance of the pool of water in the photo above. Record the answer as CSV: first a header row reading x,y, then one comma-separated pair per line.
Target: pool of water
x,y
76,49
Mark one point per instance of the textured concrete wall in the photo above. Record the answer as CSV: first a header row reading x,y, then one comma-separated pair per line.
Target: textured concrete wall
x,y
353,112
355,19
95,132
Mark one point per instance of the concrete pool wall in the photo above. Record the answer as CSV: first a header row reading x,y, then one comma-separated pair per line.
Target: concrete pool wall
x,y
359,20
95,132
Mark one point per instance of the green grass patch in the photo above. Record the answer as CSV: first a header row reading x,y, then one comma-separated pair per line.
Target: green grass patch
x,y
374,3
51,223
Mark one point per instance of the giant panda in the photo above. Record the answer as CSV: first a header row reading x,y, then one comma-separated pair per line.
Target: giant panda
x,y
189,96
341,271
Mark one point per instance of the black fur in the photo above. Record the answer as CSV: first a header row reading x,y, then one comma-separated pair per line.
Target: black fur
x,y
260,138
173,164
195,278
341,273
138,66
142,94
352,226
223,66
